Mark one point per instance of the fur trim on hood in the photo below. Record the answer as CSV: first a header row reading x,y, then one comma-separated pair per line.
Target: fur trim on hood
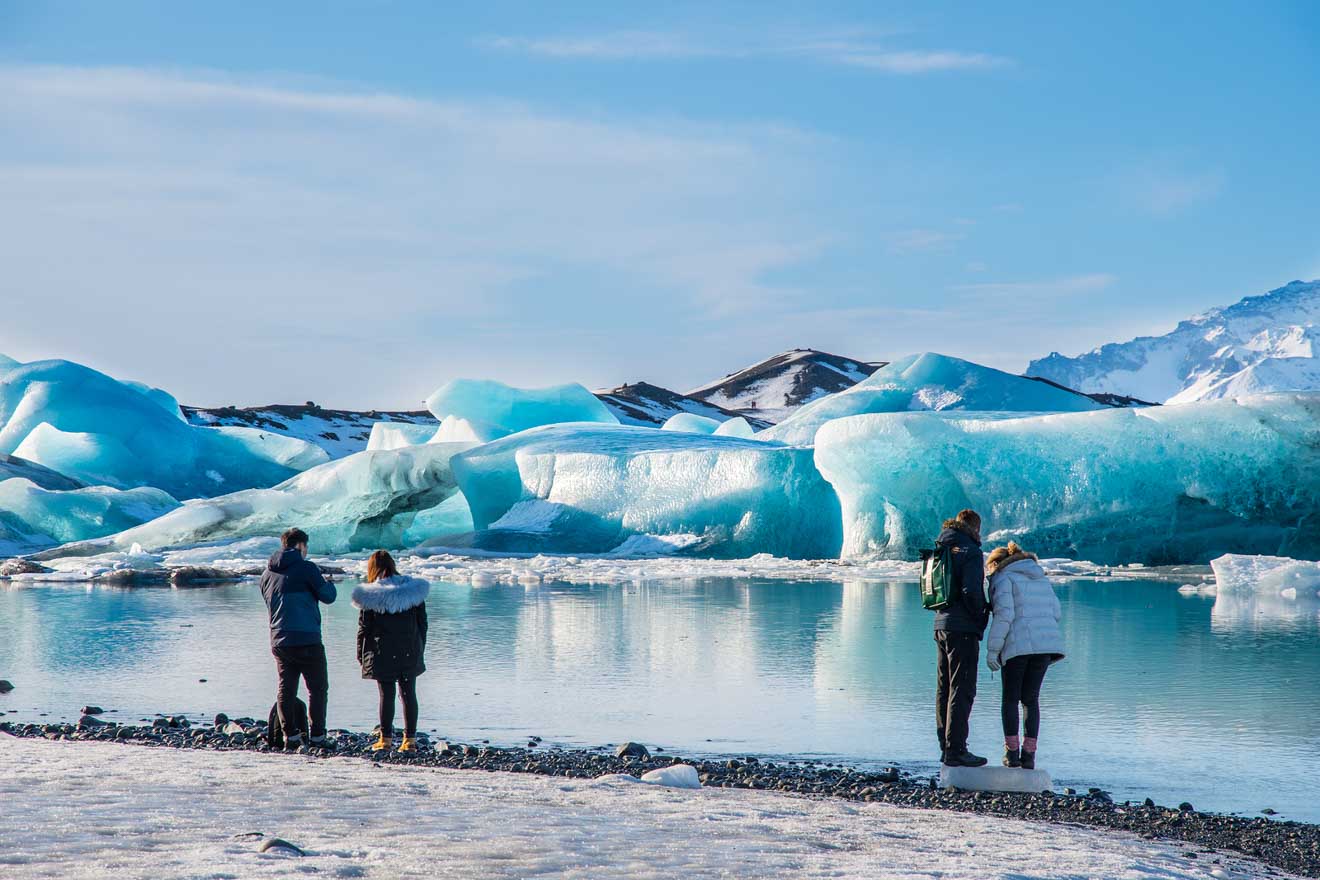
x,y
391,595
1002,557
959,526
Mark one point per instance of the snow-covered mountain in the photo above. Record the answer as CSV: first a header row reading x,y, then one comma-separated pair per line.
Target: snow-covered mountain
x,y
642,403
773,388
1262,343
339,432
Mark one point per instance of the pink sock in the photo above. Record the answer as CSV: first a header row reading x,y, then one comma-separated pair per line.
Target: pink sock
x,y
1011,743
1029,744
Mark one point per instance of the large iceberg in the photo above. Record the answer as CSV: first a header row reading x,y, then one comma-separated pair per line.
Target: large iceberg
x,y
935,382
588,488
33,518
483,410
1158,485
361,502
86,425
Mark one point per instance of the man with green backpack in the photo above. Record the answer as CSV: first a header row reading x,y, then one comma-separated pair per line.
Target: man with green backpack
x,y
952,585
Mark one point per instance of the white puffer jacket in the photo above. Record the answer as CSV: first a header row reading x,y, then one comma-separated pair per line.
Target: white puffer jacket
x,y
1026,612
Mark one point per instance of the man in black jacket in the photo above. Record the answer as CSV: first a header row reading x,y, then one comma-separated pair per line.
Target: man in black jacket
x,y
293,586
958,630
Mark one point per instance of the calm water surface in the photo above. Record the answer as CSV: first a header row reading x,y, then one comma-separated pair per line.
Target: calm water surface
x,y
1179,697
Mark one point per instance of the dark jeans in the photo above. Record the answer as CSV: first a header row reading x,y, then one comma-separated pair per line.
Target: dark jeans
x,y
407,693
955,689
308,663
1023,677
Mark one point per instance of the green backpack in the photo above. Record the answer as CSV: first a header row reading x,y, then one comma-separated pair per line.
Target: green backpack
x,y
936,578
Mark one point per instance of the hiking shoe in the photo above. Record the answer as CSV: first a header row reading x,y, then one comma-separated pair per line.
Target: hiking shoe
x,y
322,742
293,743
382,744
409,744
1028,760
963,759
1012,758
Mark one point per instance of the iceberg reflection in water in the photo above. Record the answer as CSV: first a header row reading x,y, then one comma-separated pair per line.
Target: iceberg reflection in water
x,y
1161,690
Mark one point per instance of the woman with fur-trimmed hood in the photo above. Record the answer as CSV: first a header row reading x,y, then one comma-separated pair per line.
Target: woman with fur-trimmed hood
x,y
1024,640
391,643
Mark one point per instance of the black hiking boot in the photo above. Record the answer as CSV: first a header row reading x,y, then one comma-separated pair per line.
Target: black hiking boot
x,y
1028,760
293,743
1011,758
963,759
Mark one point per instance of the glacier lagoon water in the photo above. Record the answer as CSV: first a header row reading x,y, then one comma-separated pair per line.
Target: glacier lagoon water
x,y
1164,694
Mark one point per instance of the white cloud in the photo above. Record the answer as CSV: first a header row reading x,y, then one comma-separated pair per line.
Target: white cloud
x,y
851,48
273,241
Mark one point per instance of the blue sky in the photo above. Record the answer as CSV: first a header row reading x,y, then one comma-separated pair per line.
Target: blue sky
x,y
354,202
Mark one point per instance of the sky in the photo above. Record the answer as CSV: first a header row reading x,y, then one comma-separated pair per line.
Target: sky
x,y
354,202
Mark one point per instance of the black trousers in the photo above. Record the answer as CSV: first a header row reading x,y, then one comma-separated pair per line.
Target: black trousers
x,y
408,693
1023,677
955,688
308,663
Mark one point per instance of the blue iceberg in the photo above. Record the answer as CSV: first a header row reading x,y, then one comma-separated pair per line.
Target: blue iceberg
x,y
933,382
1171,484
360,502
691,423
86,425
588,488
33,517
483,410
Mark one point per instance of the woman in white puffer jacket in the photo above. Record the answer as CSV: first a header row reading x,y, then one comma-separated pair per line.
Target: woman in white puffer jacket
x,y
1024,640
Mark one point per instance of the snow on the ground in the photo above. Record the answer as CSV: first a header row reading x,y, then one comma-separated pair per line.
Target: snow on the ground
x,y
91,810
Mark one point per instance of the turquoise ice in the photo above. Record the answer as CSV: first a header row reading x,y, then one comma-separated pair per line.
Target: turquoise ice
x,y
487,410
691,423
930,381
588,488
360,502
33,518
1157,485
87,425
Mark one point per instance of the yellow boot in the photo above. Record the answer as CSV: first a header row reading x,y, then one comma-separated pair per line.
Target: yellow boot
x,y
409,744
382,744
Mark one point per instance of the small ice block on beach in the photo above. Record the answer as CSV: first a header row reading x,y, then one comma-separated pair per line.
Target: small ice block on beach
x,y
995,779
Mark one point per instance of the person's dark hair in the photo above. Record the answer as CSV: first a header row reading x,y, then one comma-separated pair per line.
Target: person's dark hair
x,y
971,519
292,538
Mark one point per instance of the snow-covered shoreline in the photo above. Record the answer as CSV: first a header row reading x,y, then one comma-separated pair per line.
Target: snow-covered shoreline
x,y
73,810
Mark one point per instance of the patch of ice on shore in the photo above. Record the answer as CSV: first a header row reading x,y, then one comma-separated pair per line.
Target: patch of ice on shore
x,y
189,813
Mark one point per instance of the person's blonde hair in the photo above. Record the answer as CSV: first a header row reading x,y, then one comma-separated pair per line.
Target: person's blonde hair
x,y
380,564
999,554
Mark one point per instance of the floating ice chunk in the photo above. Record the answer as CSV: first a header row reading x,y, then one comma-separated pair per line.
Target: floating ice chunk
x,y
56,517
89,426
1235,573
1158,485
674,776
930,382
691,423
736,427
493,409
995,779
456,430
396,435
363,501
601,484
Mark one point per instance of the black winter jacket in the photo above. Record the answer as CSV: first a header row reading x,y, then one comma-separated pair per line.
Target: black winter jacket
x,y
391,640
292,587
968,611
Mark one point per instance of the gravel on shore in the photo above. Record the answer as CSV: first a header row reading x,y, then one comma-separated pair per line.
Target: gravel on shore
x,y
1291,846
